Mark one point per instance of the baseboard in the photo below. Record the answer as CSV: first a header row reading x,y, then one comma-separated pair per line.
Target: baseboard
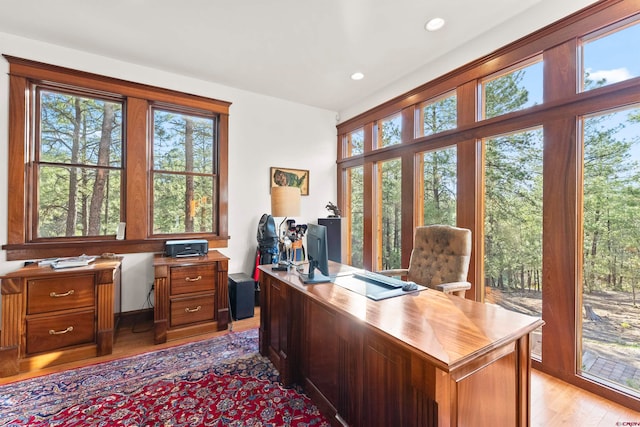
x,y
130,318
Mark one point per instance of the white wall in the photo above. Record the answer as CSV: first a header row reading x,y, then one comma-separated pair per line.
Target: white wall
x,y
263,132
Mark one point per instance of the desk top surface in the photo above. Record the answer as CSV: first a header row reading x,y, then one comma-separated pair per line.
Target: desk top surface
x,y
34,270
448,330
211,256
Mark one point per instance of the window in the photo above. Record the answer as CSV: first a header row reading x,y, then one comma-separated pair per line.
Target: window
x,y
437,115
78,163
518,88
98,151
355,143
611,251
603,62
389,131
183,175
355,216
438,187
389,214
513,224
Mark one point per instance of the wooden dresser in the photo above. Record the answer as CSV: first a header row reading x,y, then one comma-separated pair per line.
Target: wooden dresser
x,y
54,316
191,296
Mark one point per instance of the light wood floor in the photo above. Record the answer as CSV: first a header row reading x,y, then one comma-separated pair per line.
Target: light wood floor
x,y
553,403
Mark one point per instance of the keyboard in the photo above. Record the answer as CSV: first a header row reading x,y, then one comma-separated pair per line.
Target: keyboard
x,y
370,276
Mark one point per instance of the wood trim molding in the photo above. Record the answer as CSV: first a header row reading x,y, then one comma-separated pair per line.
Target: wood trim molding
x,y
23,74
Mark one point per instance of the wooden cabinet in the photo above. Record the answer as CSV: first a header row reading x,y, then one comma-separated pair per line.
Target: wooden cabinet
x,y
191,296
421,359
278,340
66,311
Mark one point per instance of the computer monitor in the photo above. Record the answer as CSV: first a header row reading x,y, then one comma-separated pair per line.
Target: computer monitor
x,y
318,254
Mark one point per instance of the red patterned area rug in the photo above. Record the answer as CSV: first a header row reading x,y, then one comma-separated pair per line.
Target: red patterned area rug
x,y
218,382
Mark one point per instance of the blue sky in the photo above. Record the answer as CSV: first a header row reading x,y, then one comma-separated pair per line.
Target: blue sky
x,y
612,57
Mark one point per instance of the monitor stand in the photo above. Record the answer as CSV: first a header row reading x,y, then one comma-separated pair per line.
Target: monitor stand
x,y
313,276
317,278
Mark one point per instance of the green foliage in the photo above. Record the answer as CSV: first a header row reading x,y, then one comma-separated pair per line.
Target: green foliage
x,y
183,182
391,208
440,116
171,208
505,94
357,142
391,131
170,142
80,155
439,183
356,176
440,166
513,210
611,201
80,176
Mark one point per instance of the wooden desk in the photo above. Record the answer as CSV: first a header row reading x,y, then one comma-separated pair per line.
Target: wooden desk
x,y
54,316
425,359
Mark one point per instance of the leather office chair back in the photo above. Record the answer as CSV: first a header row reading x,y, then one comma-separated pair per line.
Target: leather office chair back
x,y
441,254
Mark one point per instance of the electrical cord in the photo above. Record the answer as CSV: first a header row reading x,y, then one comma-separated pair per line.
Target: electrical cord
x,y
150,305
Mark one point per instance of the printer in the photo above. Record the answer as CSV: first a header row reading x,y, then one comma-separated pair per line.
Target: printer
x,y
186,248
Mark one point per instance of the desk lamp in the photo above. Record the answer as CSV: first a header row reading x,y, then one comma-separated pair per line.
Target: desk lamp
x,y
285,202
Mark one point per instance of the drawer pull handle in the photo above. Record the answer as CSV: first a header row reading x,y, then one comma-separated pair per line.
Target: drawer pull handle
x,y
192,310
66,294
195,279
52,332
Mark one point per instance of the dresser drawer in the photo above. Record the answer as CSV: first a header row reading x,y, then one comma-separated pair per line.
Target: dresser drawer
x,y
56,332
193,278
192,310
60,293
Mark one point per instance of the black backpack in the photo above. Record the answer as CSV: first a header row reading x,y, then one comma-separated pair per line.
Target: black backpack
x,y
267,236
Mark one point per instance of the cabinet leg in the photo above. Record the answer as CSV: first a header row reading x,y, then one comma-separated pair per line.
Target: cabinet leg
x,y
160,331
223,319
9,361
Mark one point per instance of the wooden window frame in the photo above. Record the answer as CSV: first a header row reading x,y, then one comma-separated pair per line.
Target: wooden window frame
x,y
24,75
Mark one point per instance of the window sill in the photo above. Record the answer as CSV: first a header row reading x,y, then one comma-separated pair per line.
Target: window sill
x,y
26,251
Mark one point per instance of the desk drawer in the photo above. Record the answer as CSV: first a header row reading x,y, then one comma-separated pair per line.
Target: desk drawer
x,y
193,278
56,332
195,309
60,293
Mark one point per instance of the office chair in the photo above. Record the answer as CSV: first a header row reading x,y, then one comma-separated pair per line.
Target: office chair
x,y
439,259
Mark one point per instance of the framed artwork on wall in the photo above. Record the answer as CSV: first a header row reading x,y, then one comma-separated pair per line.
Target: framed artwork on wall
x,y
286,177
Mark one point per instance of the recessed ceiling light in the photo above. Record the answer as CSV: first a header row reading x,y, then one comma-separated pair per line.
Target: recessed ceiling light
x,y
357,76
434,24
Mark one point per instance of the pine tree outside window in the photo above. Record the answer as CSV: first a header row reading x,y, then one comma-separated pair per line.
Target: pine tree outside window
x,y
78,165
183,172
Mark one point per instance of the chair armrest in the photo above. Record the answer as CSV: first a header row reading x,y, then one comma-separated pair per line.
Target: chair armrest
x,y
454,287
394,272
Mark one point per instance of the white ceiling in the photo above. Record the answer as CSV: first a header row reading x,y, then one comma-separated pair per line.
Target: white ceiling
x,y
299,50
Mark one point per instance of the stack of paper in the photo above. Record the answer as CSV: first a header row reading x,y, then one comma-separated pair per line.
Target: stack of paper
x,y
79,261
